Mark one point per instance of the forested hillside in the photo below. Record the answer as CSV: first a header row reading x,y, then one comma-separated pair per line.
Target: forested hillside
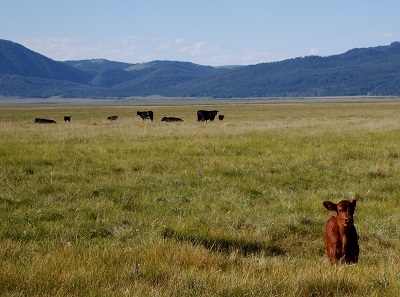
x,y
365,71
18,60
371,71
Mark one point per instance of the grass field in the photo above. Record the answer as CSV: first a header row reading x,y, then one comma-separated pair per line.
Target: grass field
x,y
224,208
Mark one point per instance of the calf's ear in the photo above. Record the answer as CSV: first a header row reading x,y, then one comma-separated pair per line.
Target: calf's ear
x,y
354,201
330,205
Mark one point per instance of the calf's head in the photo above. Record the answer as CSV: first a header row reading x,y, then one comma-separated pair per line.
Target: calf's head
x,y
344,211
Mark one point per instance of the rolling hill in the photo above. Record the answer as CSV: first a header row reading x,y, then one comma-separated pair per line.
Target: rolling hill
x,y
363,71
371,71
18,60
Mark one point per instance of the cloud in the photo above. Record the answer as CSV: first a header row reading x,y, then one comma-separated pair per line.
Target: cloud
x,y
56,48
124,48
136,49
179,41
171,44
313,51
164,46
255,56
388,34
198,49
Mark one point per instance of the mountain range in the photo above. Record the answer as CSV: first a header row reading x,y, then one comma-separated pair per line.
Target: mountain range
x,y
362,71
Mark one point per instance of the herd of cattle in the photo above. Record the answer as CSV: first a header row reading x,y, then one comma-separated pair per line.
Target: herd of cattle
x,y
202,116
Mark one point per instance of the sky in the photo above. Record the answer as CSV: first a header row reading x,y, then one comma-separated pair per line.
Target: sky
x,y
205,32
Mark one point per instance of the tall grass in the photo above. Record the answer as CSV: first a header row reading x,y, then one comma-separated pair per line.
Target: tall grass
x,y
232,208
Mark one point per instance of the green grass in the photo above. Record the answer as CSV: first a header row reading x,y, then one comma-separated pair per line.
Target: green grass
x,y
232,208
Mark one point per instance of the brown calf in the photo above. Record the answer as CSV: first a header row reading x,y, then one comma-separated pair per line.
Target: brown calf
x,y
341,239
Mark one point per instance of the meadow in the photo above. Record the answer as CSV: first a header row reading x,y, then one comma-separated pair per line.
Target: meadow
x,y
223,208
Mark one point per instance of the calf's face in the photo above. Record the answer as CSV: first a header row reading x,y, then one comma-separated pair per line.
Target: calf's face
x,y
344,211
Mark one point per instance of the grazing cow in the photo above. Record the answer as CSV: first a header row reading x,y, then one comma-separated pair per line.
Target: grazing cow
x,y
44,121
205,115
113,118
221,117
341,239
145,115
67,118
171,119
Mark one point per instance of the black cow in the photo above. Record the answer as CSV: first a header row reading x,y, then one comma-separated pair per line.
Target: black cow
x,y
205,115
44,121
171,119
113,118
67,118
145,115
221,117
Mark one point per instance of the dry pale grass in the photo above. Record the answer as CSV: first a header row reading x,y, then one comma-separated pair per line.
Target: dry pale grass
x,y
232,208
